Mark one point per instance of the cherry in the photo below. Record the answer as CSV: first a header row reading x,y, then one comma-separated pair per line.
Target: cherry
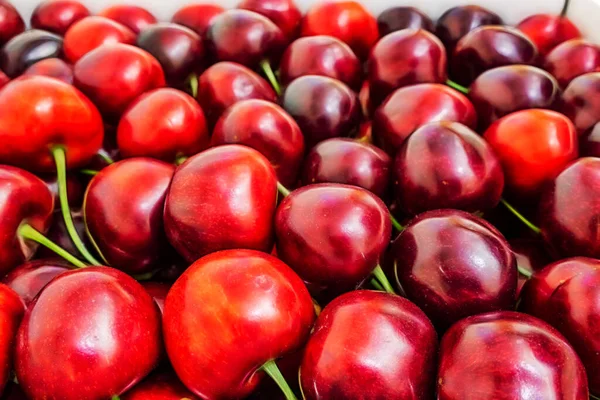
x,y
57,16
346,20
456,22
11,23
341,244
163,123
548,31
114,75
370,342
571,59
123,213
328,57
92,32
410,107
28,279
503,90
284,13
398,18
349,162
267,128
135,18
489,47
531,256
53,68
565,294
222,198
158,291
403,58
197,17
590,142
549,145
159,386
446,165
28,48
453,264
226,83
11,313
91,333
508,355
570,210
323,107
581,101
178,49
261,297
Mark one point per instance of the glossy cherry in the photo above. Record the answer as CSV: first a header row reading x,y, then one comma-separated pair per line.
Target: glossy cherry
x,y
28,279
329,56
404,58
99,325
135,18
508,355
57,16
222,198
589,143
267,128
503,90
571,59
250,309
11,23
160,385
458,21
489,47
226,83
410,107
28,48
581,101
163,123
284,13
453,264
548,31
570,210
11,313
367,344
114,75
397,18
93,32
197,17
549,145
178,49
346,20
323,107
53,68
349,162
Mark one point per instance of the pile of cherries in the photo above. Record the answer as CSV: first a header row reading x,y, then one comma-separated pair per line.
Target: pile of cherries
x,y
354,207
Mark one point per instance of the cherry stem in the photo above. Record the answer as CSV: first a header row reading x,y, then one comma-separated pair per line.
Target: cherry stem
x,y
145,277
107,159
375,283
270,367
383,280
396,224
58,153
594,397
266,66
28,232
115,397
282,190
520,216
180,160
456,86
527,274
317,307
563,12
192,80
89,172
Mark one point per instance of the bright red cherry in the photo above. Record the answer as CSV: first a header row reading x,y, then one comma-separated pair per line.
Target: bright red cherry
x,y
93,32
581,101
53,68
284,13
229,316
197,17
571,59
159,386
57,16
548,31
27,49
135,18
28,279
11,313
11,23
165,124
346,20
530,160
370,344
398,18
456,22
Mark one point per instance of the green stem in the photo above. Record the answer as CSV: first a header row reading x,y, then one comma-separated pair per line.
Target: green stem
x,y
563,12
115,397
61,169
270,367
520,216
592,397
383,280
524,272
28,232
192,80
458,87
89,172
145,277
282,190
180,160
396,224
375,283
107,159
266,67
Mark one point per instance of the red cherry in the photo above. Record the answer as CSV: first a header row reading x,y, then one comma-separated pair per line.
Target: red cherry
x,y
398,18
135,18
572,58
11,23
58,15
28,48
11,313
548,31
531,160
159,386
346,20
28,279
581,101
92,32
197,17
163,123
284,13
456,22
53,68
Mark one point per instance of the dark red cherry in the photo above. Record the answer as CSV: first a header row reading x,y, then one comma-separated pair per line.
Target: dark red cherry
x,y
581,101
571,59
323,108
27,48
458,21
446,165
57,16
398,18
135,18
52,67
197,17
284,13
11,23
489,47
589,143
503,90
404,58
548,31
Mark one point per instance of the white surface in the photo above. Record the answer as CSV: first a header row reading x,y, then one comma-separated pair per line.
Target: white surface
x,y
585,13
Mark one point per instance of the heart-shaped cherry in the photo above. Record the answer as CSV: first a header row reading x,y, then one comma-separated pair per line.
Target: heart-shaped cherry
x,y
11,23
133,17
284,13
458,21
28,48
160,385
398,18
11,313
581,101
57,16
197,17
28,279
53,68
572,58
